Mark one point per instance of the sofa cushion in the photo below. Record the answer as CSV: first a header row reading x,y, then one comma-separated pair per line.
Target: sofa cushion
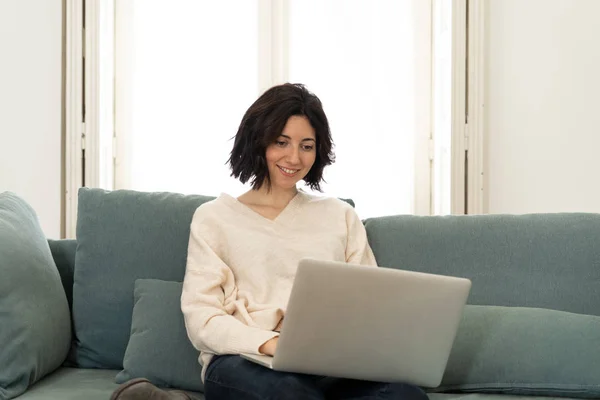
x,y
79,384
525,351
35,325
63,253
159,349
122,236
540,260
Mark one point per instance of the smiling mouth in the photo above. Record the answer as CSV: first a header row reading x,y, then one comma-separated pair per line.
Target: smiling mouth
x,y
287,171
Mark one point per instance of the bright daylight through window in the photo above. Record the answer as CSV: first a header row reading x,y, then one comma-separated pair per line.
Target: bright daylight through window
x,y
193,68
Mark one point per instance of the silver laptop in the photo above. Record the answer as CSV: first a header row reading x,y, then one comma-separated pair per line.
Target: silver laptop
x,y
370,323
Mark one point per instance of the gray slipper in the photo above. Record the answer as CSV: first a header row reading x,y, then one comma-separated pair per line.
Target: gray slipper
x,y
143,389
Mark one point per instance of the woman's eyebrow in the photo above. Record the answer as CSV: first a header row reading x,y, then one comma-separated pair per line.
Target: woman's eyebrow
x,y
303,140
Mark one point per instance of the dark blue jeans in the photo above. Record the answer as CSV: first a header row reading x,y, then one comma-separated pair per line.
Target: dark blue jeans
x,y
232,377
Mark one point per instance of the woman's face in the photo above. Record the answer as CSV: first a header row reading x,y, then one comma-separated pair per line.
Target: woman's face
x,y
293,154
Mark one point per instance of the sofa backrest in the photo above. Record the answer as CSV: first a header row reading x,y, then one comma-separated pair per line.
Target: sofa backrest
x,y
537,260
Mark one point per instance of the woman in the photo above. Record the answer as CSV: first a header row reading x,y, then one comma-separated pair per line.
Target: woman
x,y
243,253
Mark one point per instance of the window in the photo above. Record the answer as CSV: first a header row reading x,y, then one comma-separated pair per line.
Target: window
x,y
360,58
190,71
187,70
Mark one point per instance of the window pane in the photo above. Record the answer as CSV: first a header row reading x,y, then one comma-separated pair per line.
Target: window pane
x,y
195,74
359,58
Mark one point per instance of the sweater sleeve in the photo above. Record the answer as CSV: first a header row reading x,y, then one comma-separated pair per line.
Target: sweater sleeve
x,y
207,280
358,250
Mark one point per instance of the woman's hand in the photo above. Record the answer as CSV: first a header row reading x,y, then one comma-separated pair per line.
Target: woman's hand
x,y
269,347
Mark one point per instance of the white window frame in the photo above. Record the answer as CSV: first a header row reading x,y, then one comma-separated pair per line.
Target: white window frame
x,y
99,93
476,193
468,60
123,96
74,112
273,69
423,203
273,43
89,152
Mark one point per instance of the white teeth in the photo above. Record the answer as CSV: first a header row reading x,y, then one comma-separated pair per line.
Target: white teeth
x,y
288,171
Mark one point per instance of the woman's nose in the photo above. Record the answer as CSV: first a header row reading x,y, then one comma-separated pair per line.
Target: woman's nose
x,y
293,156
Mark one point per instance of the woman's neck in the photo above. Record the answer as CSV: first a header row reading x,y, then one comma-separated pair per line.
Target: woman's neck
x,y
276,197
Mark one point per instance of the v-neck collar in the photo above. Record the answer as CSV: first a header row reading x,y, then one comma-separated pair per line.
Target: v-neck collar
x,y
287,213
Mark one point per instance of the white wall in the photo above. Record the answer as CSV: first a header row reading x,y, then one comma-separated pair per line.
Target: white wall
x,y
30,106
542,106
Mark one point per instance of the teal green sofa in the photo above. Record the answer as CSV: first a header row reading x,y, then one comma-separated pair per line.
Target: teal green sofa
x,y
531,328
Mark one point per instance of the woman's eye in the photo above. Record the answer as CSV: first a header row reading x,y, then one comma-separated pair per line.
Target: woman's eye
x,y
280,143
308,148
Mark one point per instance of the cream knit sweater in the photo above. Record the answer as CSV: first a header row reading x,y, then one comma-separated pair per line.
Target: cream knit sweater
x,y
241,266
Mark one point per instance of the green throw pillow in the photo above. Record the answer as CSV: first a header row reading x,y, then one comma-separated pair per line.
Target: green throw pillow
x,y
525,351
35,324
159,349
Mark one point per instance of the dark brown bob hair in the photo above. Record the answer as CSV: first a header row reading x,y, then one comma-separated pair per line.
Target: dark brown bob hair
x,y
263,123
